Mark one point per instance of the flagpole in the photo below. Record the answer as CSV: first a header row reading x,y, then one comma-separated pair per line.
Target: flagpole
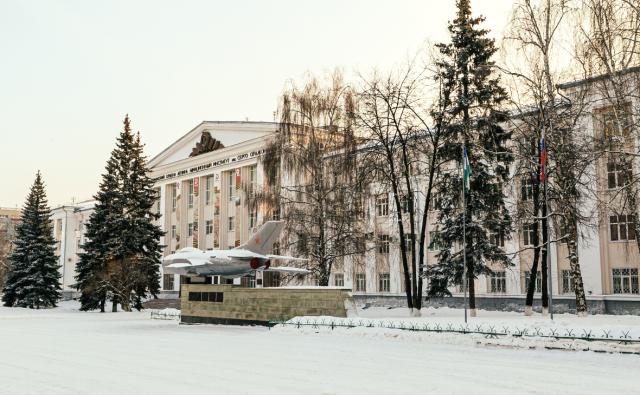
x,y
546,206
464,233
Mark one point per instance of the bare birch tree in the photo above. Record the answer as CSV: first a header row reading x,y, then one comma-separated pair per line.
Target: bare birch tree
x,y
402,134
533,35
311,167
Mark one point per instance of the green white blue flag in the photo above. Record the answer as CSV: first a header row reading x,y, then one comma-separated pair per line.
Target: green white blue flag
x,y
466,169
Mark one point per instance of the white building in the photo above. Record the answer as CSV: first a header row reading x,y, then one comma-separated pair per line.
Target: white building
x,y
203,179
68,231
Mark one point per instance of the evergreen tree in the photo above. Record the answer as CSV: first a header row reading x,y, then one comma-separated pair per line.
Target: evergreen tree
x,y
34,278
121,258
142,198
465,70
101,230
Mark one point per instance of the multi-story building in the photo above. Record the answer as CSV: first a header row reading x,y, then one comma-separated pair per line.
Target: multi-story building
x,y
69,232
204,181
203,203
11,214
9,218
206,178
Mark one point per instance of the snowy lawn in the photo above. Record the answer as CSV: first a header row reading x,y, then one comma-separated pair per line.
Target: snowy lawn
x,y
64,351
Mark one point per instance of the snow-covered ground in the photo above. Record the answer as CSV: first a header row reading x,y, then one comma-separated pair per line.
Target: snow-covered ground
x,y
540,330
63,351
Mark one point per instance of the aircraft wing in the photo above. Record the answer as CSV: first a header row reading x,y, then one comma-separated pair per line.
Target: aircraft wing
x,y
289,270
179,265
184,266
287,258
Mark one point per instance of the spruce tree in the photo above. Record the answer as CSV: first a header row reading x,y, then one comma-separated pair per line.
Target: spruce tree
x,y
101,230
466,70
142,198
34,275
121,258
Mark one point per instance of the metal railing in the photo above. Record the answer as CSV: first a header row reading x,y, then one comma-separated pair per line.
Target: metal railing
x,y
487,330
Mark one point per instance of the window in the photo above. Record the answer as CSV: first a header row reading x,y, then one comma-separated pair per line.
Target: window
x,y
496,238
358,207
618,173
404,203
174,198
253,170
191,193
232,224
173,231
167,282
568,286
208,227
526,277
383,244
248,281
498,282
528,232
216,297
253,219
434,241
436,203
208,196
526,189
621,227
625,281
361,282
231,187
383,282
616,123
382,205
275,216
190,229
409,242
564,232
338,279
276,248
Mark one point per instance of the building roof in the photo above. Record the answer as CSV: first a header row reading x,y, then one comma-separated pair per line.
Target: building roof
x,y
202,126
571,84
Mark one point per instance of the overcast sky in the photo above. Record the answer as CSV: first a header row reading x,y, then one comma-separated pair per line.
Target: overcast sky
x,y
71,70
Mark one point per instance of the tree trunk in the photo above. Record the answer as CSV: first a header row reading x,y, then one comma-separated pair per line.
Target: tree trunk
x,y
423,229
403,251
533,276
531,284
114,305
581,299
102,303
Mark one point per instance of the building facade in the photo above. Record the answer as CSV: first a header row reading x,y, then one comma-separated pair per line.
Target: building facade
x,y
69,233
206,178
204,181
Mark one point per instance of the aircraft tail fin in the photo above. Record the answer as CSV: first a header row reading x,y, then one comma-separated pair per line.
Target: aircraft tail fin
x,y
262,241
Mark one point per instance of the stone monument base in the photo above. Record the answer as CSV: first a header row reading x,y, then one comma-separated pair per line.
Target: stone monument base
x,y
233,305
